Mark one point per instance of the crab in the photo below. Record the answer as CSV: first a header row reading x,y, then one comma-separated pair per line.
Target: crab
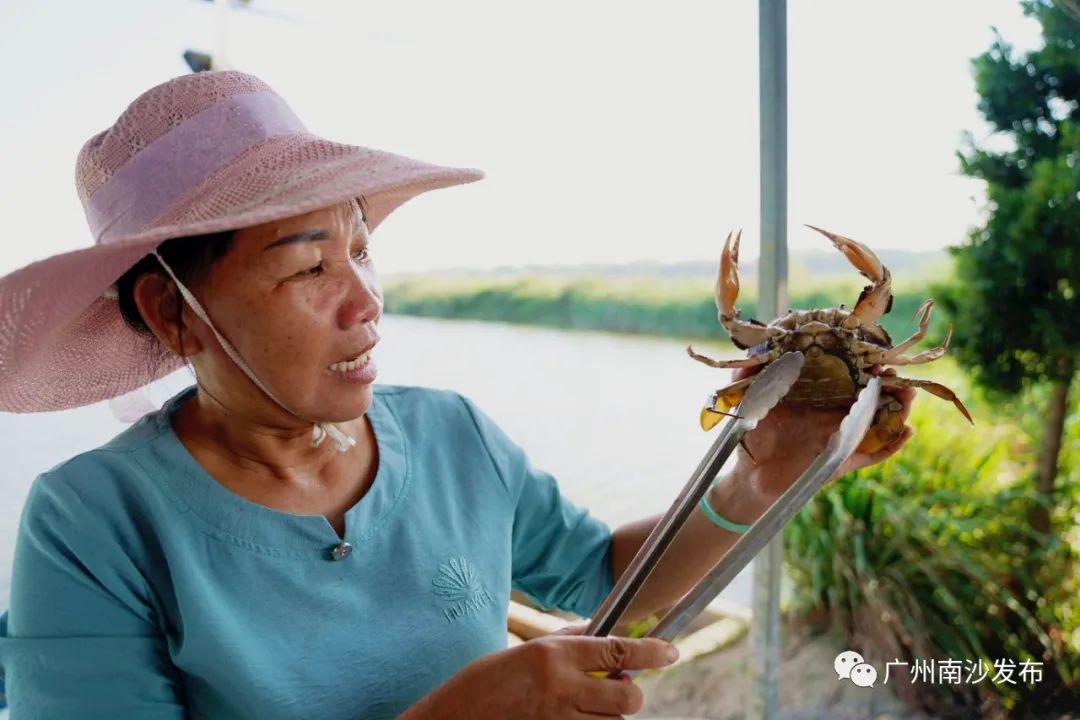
x,y
843,349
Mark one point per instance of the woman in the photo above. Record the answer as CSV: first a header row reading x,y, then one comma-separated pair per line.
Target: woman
x,y
220,559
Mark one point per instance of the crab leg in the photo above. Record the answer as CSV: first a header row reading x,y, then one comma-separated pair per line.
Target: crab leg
x,y
752,361
874,355
931,387
744,334
924,357
867,354
876,298
924,323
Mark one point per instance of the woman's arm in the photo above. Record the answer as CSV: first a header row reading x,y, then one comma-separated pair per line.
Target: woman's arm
x,y
80,640
696,549
783,445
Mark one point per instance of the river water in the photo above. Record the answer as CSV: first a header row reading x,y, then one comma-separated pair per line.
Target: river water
x,y
613,417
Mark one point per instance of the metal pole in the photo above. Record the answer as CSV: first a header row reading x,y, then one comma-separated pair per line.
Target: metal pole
x,y
221,26
772,297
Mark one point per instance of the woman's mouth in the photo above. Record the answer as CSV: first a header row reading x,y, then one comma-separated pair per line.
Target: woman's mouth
x,y
346,365
358,368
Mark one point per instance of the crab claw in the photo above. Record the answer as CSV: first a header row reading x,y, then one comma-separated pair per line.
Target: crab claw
x,y
888,425
744,334
876,298
727,278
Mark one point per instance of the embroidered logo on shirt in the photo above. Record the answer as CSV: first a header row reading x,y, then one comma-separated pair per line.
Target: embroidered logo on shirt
x,y
458,582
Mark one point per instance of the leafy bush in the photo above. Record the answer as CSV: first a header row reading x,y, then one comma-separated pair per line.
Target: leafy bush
x,y
930,554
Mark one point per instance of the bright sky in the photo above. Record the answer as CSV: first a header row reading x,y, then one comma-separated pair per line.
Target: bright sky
x,y
610,131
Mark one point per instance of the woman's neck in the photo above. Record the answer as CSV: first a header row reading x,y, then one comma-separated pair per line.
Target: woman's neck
x,y
274,452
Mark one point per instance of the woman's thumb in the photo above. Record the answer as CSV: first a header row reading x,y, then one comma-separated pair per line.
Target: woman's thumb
x,y
619,653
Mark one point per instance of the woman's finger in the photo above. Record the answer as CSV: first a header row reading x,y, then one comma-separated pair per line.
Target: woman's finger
x,y
613,652
607,695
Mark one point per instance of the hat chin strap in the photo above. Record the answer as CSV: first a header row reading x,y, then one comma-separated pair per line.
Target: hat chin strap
x,y
319,431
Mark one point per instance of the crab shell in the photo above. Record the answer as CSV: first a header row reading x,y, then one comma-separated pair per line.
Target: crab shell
x,y
832,373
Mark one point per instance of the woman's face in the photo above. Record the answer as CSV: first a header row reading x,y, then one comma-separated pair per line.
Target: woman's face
x,y
295,297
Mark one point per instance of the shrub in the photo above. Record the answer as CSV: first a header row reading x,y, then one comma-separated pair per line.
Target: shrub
x,y
930,554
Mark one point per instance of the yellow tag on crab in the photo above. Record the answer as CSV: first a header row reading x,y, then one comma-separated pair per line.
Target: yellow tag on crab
x,y
600,673
709,419
721,402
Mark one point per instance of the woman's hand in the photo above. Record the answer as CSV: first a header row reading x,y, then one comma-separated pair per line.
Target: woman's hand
x,y
547,679
788,440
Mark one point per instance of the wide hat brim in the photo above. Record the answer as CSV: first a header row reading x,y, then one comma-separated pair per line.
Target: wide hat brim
x,y
63,342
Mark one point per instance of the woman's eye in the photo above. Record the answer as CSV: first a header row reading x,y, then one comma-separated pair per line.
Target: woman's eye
x,y
362,256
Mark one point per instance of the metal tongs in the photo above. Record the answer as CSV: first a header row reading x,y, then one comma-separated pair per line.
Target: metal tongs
x,y
763,394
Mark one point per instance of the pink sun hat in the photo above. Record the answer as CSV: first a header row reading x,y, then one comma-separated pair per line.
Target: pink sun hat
x,y
200,153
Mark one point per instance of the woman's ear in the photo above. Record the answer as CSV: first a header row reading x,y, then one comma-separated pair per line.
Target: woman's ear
x,y
161,308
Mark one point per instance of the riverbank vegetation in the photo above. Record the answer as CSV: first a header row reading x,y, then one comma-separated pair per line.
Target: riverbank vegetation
x,y
683,308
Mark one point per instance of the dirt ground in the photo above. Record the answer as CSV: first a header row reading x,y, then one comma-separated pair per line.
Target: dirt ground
x,y
716,687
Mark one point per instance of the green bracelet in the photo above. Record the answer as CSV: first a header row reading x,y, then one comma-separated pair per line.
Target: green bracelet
x,y
718,520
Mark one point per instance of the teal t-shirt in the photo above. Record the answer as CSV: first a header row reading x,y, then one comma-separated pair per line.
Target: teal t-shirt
x,y
143,588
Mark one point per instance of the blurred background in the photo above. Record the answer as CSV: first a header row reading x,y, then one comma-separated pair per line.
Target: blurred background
x,y
620,142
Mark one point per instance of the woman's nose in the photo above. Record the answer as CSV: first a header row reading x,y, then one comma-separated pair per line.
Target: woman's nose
x,y
363,303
